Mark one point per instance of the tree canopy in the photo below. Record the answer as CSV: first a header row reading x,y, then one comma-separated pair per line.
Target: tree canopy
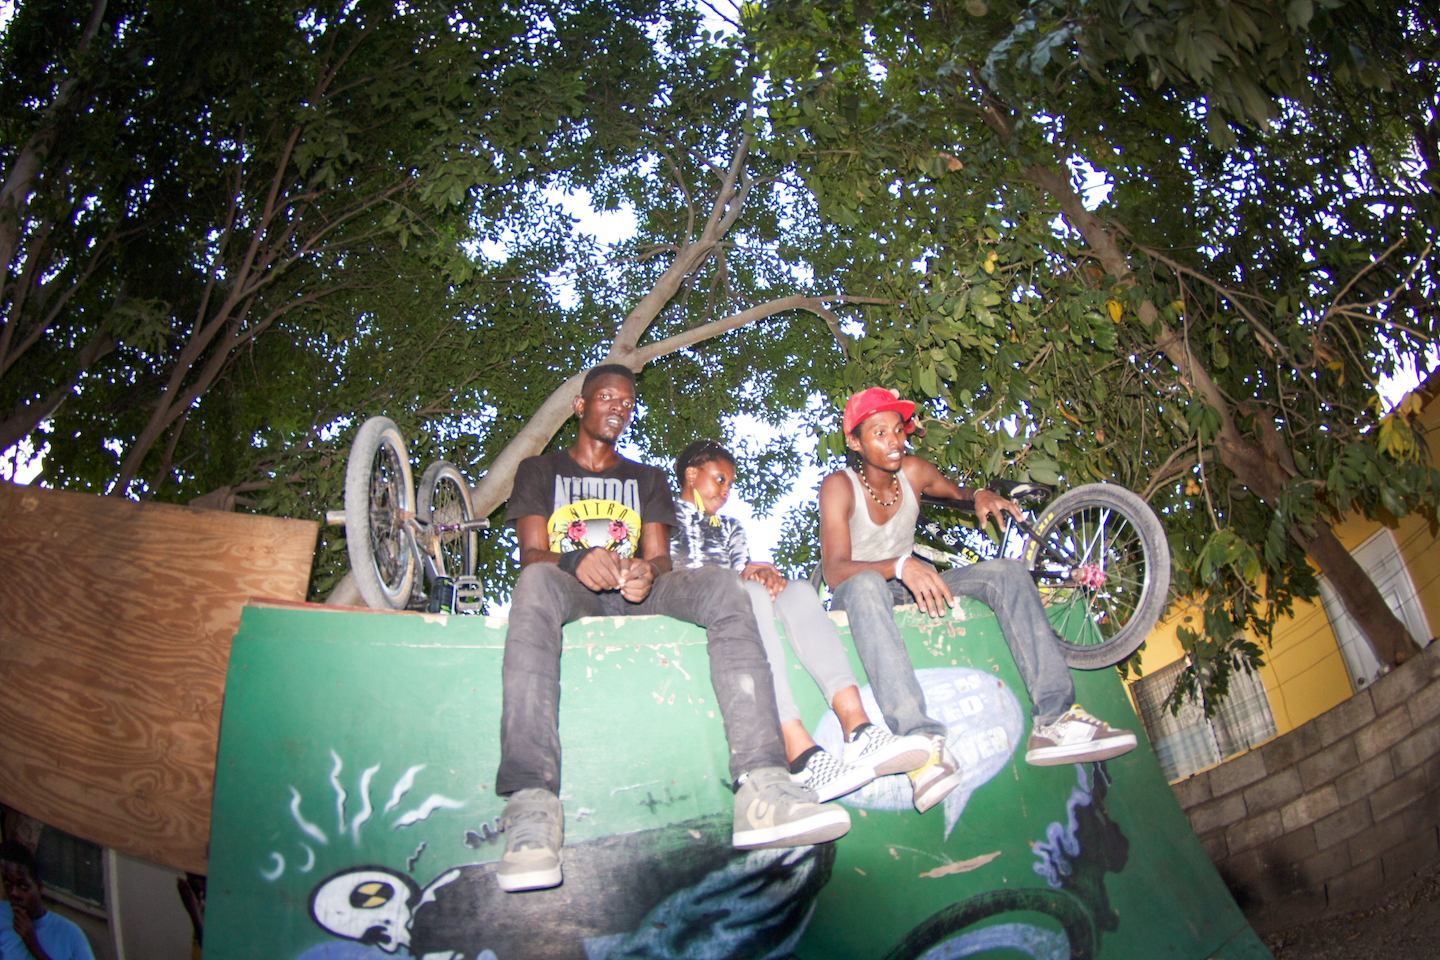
x,y
232,232
354,209
1211,333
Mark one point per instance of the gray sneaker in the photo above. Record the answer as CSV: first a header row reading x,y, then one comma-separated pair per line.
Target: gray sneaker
x,y
771,810
1076,737
533,826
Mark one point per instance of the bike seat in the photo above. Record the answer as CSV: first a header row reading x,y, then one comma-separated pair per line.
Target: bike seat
x,y
1021,492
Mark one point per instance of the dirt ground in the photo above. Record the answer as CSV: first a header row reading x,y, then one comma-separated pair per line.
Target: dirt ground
x,y
1404,926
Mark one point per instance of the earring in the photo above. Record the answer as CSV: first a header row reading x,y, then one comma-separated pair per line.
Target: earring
x,y
699,505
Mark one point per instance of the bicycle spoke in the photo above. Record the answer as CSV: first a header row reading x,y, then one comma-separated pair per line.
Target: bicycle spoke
x,y
384,519
447,510
1099,557
1092,548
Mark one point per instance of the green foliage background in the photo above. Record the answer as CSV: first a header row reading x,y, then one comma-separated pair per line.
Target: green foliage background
x,y
1210,333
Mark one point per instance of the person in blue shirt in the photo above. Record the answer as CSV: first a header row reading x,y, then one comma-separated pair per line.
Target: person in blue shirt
x,y
27,930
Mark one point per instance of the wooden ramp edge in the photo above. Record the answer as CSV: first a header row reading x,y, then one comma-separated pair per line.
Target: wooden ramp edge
x,y
115,625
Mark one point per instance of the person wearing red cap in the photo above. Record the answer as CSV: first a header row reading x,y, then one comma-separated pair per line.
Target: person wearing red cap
x,y
867,533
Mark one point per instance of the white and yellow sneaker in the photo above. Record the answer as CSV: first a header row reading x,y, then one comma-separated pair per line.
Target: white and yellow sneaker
x,y
939,775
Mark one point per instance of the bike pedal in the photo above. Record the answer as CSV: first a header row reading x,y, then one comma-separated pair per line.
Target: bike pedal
x,y
469,595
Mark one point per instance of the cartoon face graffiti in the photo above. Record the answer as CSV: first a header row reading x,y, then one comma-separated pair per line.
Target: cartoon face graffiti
x,y
371,905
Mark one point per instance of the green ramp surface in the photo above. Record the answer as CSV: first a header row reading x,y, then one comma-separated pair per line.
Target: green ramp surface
x,y
355,814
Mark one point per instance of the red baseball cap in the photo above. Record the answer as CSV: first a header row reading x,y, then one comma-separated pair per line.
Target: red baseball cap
x,y
876,400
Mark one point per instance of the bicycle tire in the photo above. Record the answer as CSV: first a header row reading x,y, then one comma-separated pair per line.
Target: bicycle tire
x,y
444,498
1108,532
378,489
1060,905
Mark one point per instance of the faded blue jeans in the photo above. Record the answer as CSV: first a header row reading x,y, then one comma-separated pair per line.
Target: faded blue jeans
x,y
1004,587
546,598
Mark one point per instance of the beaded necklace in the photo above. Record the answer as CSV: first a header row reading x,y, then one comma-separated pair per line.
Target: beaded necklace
x,y
894,477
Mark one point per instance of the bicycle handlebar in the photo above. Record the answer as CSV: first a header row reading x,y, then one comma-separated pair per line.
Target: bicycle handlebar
x,y
945,503
1026,494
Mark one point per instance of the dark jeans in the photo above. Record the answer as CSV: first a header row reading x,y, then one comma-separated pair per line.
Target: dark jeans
x,y
546,598
1004,587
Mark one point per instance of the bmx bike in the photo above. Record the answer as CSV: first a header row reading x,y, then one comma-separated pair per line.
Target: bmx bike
x,y
1098,555
408,549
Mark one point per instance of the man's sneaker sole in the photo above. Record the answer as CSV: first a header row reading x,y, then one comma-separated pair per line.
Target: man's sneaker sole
x,y
541,879
903,762
1088,752
831,823
852,779
937,791
896,755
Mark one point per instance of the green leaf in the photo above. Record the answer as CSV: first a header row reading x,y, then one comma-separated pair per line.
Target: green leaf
x,y
925,377
993,464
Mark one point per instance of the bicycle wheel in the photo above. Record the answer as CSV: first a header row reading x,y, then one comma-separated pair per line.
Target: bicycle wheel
x,y
1101,561
444,500
379,494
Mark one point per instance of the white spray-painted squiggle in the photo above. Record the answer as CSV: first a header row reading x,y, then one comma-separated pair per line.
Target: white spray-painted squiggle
x,y
309,858
300,821
432,803
340,795
366,808
274,874
402,787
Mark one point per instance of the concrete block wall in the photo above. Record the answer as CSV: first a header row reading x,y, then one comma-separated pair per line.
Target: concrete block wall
x,y
1334,812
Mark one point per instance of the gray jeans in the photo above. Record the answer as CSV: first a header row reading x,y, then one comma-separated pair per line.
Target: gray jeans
x,y
1004,587
812,636
546,598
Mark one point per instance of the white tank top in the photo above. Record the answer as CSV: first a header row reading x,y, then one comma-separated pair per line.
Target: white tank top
x,y
895,537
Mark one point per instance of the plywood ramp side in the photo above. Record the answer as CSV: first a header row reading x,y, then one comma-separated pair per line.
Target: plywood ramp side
x,y
115,626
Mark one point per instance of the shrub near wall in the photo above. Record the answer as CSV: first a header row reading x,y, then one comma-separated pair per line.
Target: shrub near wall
x,y
1334,812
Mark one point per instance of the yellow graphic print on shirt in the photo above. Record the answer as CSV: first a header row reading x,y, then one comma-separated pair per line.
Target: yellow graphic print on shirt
x,y
595,523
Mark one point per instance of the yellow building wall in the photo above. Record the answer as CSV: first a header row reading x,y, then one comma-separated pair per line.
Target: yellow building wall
x,y
1304,675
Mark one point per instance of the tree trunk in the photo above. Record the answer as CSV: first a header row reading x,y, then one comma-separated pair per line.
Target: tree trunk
x,y
1388,637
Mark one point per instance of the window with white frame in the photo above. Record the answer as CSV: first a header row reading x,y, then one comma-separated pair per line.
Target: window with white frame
x,y
1188,741
1380,558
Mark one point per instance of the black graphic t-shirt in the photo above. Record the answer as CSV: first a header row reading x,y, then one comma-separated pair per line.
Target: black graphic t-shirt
x,y
584,509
